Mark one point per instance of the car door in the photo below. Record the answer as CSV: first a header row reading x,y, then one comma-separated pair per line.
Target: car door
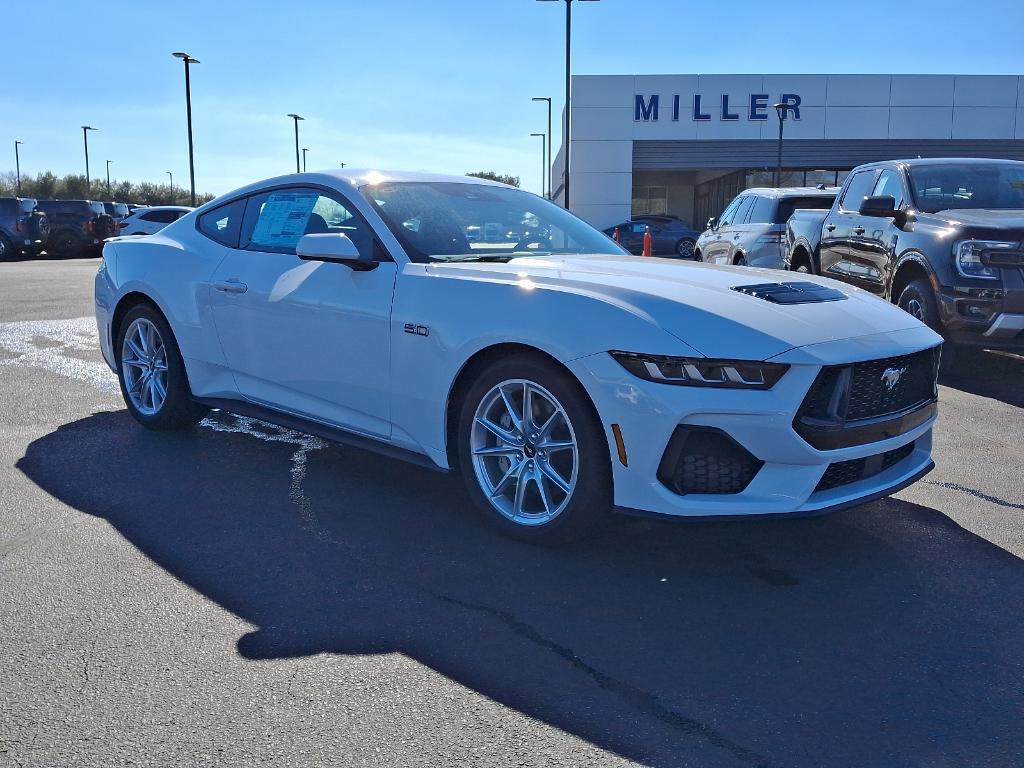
x,y
841,226
880,238
307,337
740,230
718,247
631,236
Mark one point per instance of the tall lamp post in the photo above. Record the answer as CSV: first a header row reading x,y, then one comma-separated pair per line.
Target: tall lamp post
x,y
171,177
296,118
568,70
108,177
781,108
304,151
547,173
17,165
188,117
543,160
85,139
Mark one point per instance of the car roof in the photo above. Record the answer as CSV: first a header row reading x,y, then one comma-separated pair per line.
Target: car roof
x,y
792,191
147,208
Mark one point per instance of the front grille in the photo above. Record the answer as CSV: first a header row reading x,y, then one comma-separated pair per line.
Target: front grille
x,y
851,398
871,396
846,472
706,460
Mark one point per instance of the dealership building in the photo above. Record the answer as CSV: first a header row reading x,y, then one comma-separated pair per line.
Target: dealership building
x,y
686,144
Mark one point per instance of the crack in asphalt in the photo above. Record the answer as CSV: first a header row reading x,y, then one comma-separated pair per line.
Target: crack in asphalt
x,y
973,492
642,700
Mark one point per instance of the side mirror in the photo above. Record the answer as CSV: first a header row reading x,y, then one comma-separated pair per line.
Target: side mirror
x,y
334,247
880,206
713,222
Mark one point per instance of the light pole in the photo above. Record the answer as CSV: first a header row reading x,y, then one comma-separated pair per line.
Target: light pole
x,y
108,177
547,173
85,139
296,118
342,165
171,177
568,70
188,117
304,151
17,165
781,108
543,160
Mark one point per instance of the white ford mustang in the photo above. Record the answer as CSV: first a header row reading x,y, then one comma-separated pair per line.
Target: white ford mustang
x,y
462,324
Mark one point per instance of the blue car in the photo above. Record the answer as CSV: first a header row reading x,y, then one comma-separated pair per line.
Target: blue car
x,y
670,236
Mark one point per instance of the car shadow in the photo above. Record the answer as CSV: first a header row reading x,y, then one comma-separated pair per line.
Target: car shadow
x,y
880,636
997,375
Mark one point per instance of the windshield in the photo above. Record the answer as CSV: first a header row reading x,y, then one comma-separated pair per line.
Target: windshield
x,y
967,185
450,221
97,208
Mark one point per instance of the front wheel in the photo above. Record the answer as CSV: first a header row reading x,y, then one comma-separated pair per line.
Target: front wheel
x,y
153,380
532,453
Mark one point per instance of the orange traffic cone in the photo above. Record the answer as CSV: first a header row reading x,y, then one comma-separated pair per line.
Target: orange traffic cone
x,y
615,235
647,240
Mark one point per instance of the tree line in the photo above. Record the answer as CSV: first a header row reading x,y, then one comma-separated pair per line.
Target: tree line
x,y
49,186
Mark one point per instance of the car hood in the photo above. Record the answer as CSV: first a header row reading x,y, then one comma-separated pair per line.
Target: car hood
x,y
984,217
696,302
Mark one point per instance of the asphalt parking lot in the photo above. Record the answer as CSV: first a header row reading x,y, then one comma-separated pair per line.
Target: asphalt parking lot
x,y
243,595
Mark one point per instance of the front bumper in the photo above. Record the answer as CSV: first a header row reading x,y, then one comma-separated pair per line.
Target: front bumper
x,y
990,317
787,482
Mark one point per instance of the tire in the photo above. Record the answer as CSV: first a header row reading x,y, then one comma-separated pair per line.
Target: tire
x,y
153,351
918,299
6,248
802,268
65,245
40,226
697,256
685,248
521,486
740,260
104,226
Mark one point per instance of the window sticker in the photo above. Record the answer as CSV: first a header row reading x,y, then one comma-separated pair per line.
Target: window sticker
x,y
283,219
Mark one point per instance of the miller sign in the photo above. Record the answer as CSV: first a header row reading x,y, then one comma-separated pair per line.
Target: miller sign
x,y
646,109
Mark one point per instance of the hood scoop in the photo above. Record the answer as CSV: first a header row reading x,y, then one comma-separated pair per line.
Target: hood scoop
x,y
791,293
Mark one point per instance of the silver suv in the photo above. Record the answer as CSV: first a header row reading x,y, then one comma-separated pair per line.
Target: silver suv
x,y
752,228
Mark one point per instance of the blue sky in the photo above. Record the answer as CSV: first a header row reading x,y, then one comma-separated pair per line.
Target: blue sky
x,y
442,85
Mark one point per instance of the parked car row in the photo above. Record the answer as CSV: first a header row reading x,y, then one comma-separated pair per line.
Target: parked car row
x,y
941,238
68,228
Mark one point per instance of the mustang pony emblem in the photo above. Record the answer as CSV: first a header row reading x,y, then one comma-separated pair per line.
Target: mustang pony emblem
x,y
891,377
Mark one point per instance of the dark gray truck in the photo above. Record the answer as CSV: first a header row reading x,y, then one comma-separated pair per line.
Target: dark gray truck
x,y
942,238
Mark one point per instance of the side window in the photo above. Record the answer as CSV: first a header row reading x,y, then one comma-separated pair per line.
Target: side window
x,y
889,184
746,202
761,212
223,222
727,215
860,187
638,227
275,221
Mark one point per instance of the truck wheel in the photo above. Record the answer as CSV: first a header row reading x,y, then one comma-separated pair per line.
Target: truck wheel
x,y
6,249
740,260
919,300
66,245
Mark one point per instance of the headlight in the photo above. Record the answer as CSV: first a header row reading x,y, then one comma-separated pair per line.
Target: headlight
x,y
967,254
701,371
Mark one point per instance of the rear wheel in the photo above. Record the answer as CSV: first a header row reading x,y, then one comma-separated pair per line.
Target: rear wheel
x,y
6,248
685,248
153,380
532,453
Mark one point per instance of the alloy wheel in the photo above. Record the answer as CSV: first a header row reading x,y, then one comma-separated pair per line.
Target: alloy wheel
x,y
144,366
525,454
685,249
914,307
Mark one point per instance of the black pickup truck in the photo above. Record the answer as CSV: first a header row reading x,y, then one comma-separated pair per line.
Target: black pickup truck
x,y
942,238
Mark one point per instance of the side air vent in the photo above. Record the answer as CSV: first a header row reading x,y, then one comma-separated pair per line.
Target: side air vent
x,y
791,293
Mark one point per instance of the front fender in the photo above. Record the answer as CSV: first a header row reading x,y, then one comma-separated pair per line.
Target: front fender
x,y
451,320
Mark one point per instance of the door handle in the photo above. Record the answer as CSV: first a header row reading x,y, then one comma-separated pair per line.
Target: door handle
x,y
830,227
231,286
858,230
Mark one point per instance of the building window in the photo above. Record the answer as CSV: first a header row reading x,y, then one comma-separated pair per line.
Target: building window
x,y
648,201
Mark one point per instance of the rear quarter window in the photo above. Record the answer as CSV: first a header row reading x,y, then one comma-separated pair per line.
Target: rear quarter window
x,y
223,223
790,204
